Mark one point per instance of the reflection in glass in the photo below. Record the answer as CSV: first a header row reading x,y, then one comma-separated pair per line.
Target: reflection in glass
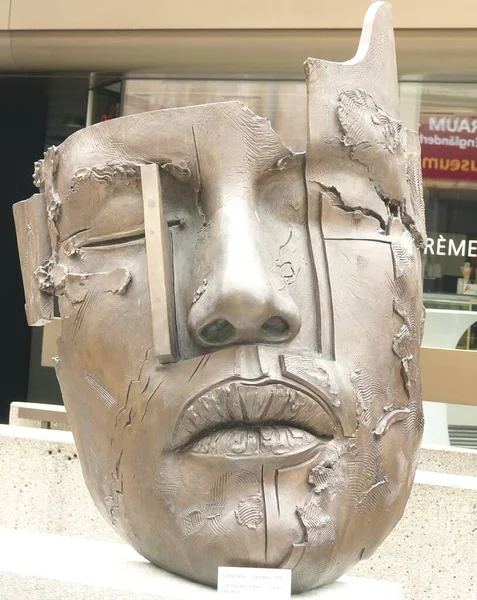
x,y
446,114
282,102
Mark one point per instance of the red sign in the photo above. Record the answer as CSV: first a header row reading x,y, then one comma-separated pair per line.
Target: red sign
x,y
112,113
448,146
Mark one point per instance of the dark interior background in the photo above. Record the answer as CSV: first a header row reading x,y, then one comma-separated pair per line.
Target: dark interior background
x,y
35,113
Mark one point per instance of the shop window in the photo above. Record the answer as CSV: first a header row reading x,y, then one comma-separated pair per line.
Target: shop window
x,y
446,117
282,102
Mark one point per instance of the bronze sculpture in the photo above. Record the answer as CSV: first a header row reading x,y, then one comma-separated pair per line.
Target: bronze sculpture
x,y
239,355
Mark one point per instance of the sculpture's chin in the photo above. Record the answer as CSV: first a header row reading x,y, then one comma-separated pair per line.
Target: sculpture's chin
x,y
311,567
284,511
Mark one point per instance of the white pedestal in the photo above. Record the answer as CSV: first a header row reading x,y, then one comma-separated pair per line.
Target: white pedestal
x,y
443,329
356,588
36,566
436,429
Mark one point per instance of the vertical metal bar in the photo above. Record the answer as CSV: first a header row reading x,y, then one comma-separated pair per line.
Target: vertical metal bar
x,y
89,109
34,247
158,263
322,274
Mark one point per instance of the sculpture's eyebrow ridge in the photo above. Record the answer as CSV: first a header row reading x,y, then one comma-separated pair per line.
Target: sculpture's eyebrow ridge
x,y
126,172
105,174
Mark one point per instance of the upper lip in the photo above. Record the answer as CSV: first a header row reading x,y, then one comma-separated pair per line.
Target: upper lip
x,y
237,403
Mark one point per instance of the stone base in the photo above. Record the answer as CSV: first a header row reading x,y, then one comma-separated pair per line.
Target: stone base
x,y
356,588
42,488
39,565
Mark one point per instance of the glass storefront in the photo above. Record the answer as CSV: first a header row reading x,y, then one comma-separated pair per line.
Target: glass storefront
x,y
446,115
282,102
105,91
448,132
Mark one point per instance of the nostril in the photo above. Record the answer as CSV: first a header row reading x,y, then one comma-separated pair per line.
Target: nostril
x,y
218,331
275,327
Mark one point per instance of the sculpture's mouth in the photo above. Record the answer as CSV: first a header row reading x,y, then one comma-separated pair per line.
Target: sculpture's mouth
x,y
243,420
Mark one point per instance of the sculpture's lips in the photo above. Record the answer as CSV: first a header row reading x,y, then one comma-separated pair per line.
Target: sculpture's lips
x,y
243,419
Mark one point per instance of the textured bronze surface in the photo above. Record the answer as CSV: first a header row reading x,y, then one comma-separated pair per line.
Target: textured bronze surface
x,y
239,355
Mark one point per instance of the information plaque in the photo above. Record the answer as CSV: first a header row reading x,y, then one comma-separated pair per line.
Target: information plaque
x,y
254,584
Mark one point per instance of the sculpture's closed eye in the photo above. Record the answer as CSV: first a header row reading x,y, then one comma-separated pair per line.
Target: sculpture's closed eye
x,y
121,239
87,239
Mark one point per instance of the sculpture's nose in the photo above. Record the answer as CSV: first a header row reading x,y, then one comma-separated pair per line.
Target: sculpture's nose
x,y
245,300
240,312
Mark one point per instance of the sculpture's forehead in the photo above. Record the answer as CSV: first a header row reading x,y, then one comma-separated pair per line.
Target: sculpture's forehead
x,y
220,137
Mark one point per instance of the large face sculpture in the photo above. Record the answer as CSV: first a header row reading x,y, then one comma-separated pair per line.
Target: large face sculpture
x,y
241,324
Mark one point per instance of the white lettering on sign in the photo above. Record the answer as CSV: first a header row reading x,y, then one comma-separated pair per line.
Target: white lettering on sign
x,y
254,584
456,251
453,124
448,247
472,251
441,246
453,140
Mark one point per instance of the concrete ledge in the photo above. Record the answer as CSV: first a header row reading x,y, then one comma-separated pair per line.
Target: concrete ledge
x,y
36,433
456,461
446,480
38,566
42,487
44,416
432,551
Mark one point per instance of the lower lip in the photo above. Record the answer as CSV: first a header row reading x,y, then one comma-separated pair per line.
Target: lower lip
x,y
255,440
